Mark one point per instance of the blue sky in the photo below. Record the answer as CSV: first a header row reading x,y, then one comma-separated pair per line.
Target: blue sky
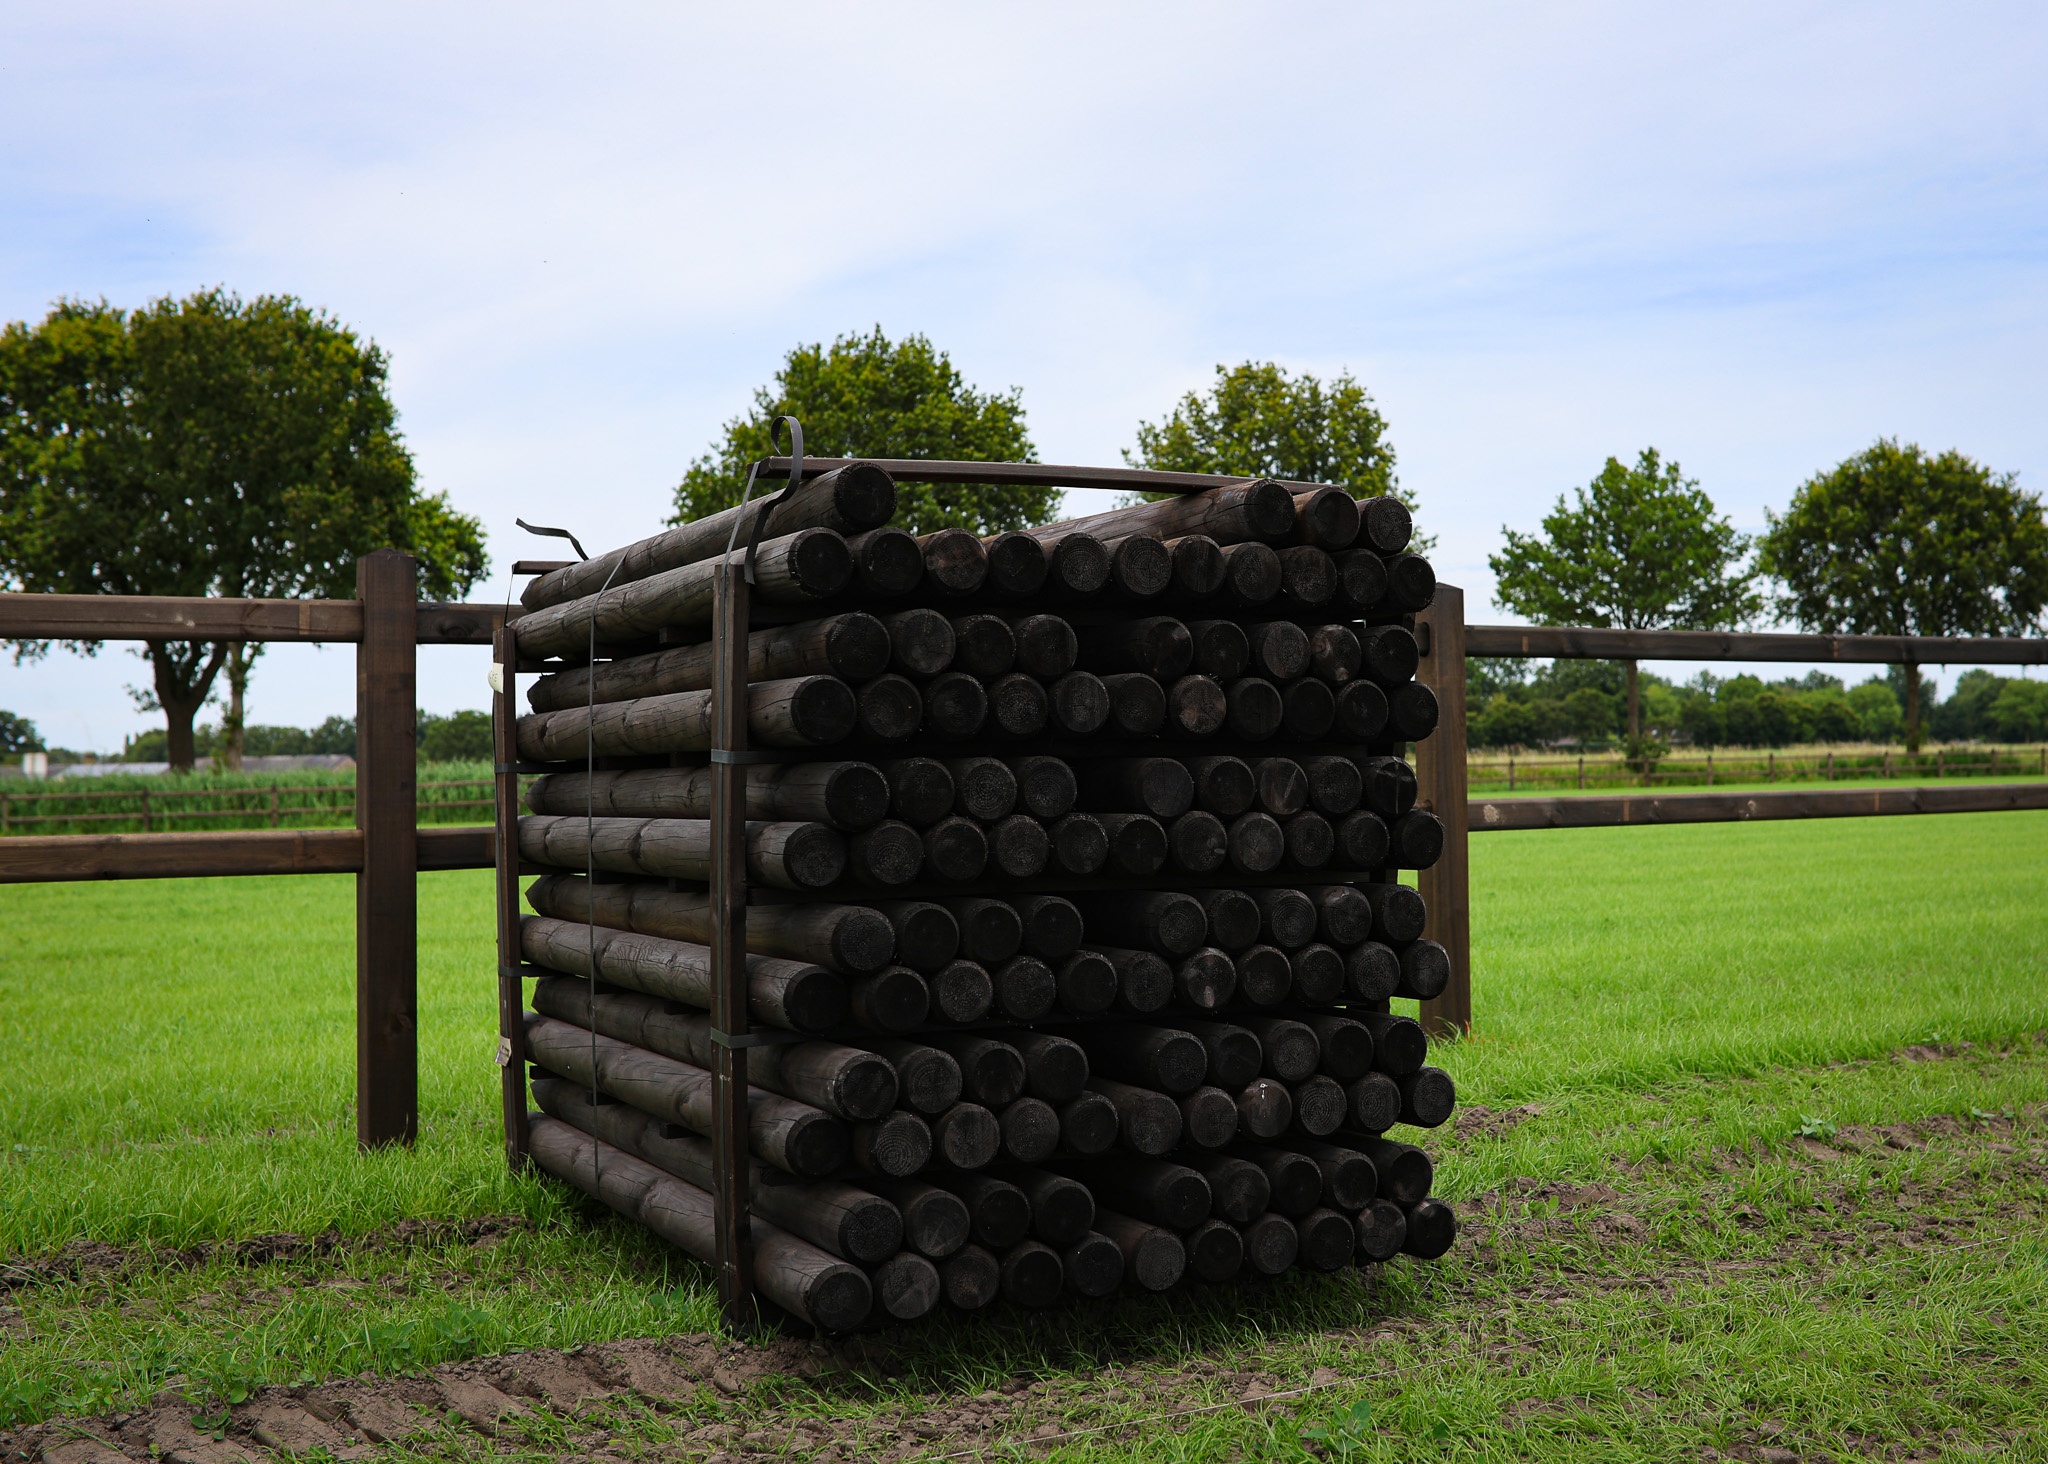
x,y
1755,236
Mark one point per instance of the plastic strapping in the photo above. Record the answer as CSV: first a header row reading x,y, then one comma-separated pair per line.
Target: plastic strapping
x,y
796,476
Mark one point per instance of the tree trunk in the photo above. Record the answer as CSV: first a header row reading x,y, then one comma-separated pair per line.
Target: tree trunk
x,y
1912,707
1635,711
240,661
182,682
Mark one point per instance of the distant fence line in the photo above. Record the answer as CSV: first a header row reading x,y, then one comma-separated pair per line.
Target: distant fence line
x,y
1518,773
276,805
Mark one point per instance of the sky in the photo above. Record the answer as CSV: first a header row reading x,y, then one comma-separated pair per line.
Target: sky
x,y
1755,236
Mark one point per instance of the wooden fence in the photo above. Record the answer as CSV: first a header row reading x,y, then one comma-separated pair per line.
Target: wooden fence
x,y
1523,774
278,804
388,847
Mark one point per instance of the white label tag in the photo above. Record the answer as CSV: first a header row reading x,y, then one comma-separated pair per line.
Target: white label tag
x,y
497,677
504,1052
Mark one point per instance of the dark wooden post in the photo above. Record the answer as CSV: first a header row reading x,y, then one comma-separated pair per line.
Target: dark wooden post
x,y
511,986
387,909
734,1248
1440,770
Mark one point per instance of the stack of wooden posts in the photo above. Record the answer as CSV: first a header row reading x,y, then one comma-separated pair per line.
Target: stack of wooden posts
x,y
1075,924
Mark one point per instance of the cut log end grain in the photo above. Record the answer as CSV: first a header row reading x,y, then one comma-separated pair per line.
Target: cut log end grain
x,y
1234,918
1318,974
887,563
955,848
999,1212
1153,1256
1417,838
922,642
1079,703
906,1287
991,931
927,936
1282,787
1206,980
1361,582
1398,914
890,853
1159,786
1255,709
1215,1251
892,1000
1137,704
1221,649
1208,1117
1425,970
1362,711
1412,712
1411,584
1197,842
1062,1209
971,1277
1349,1180
1405,1171
1362,841
1094,1266
991,1071
1271,1244
1088,1124
955,561
1197,565
1346,1047
1279,649
1308,709
1051,926
1076,565
1327,1240
1055,1067
1234,1053
1016,566
1265,1109
1431,1229
966,1136
1257,843
1019,847
1137,843
1343,915
1018,705
1025,989
1373,1102
1047,646
888,708
1319,1106
1196,707
1334,653
1031,1130
1087,984
1296,1183
1157,645
1289,1049
1148,1123
1239,1190
1046,786
1428,1097
1140,566
983,645
1224,786
955,705
1389,654
1311,842
1079,844
1287,917
812,855
820,565
921,790
1251,574
1032,1275
1264,975
1326,518
870,1228
1372,972
1382,1228
1308,579
897,1145
1385,524
927,1079
853,1084
962,992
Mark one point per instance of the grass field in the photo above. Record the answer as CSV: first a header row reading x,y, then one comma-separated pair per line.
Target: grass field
x,y
1667,997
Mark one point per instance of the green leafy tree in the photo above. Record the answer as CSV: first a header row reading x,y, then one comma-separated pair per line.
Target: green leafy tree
x,y
1641,550
207,446
1256,421
18,734
2021,712
1897,542
460,737
1879,717
867,396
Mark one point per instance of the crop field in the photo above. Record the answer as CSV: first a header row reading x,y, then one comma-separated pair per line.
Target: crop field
x,y
1752,1161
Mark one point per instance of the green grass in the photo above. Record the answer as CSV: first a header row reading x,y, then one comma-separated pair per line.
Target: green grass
x,y
185,802
181,1072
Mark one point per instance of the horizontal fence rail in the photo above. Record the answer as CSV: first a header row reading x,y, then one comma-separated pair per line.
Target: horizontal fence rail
x,y
1589,644
51,858
279,804
205,618
1770,767
1677,808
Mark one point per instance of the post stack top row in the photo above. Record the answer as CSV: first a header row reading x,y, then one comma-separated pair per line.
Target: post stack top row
x,y
1074,924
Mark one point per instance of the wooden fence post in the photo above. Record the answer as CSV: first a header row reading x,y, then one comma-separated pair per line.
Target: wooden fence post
x,y
387,897
730,1025
1440,770
511,979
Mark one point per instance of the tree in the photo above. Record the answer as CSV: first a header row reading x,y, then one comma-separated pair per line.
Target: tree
x,y
1642,550
18,734
1879,717
2021,712
207,447
1895,542
866,396
1256,421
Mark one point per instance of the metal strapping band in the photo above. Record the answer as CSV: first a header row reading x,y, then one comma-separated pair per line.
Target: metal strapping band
x,y
727,755
757,1039
520,767
525,971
